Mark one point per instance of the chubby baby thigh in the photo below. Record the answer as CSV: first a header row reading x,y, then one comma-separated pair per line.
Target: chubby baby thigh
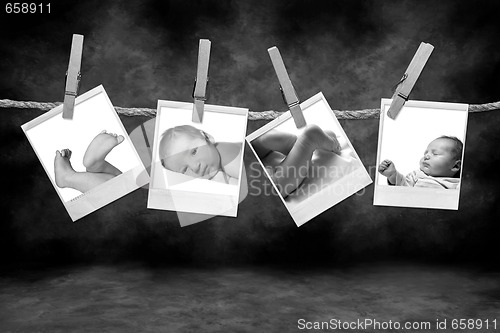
x,y
273,159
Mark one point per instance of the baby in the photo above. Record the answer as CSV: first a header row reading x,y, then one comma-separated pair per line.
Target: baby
x,y
98,170
286,155
188,150
439,167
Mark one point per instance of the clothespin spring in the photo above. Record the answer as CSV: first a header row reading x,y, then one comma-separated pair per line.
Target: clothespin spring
x,y
405,76
297,102
207,91
403,96
78,78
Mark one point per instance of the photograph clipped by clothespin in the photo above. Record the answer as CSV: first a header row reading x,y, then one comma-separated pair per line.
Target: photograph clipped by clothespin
x,y
73,76
287,90
405,85
201,81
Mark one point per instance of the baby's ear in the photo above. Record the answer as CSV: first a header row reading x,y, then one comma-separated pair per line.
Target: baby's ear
x,y
457,166
208,137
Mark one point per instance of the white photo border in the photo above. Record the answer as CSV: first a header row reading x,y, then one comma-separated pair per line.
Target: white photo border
x,y
326,198
221,204
412,197
102,194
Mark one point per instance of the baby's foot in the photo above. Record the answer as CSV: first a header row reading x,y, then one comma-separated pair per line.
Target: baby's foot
x,y
336,144
319,139
98,149
62,167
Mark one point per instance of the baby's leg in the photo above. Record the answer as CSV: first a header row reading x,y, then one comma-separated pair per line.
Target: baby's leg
x,y
294,168
66,176
274,140
97,151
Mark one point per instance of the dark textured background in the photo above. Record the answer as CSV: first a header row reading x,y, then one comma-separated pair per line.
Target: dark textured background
x,y
352,51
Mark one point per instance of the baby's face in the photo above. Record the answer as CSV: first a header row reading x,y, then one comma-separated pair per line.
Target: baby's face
x,y
439,160
191,155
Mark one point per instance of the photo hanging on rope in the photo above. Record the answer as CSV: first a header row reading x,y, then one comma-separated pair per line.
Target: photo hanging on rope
x,y
89,159
420,155
197,167
312,168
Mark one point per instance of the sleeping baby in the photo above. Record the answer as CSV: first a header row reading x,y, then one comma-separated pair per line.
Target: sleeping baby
x,y
439,167
188,150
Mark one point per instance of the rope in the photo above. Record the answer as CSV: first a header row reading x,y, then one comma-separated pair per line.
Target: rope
x,y
263,115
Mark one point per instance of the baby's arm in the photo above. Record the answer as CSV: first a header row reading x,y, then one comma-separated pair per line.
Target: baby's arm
x,y
232,181
219,177
223,177
388,169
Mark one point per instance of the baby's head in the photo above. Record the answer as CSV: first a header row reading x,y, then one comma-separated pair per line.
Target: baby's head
x,y
443,157
191,151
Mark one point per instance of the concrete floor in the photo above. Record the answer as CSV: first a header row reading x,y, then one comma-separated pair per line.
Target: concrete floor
x,y
138,299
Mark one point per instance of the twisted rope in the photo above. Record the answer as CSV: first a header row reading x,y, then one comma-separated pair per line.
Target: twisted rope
x,y
262,115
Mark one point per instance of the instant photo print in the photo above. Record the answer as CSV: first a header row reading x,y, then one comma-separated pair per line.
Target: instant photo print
x,y
197,167
322,168
420,155
89,159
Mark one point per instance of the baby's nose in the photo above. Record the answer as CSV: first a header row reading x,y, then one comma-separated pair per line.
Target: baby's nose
x,y
195,167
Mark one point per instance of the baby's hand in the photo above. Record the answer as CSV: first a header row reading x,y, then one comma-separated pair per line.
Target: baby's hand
x,y
387,168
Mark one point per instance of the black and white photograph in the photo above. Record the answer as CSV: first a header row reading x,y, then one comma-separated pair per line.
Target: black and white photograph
x,y
249,219
421,154
89,159
197,167
312,168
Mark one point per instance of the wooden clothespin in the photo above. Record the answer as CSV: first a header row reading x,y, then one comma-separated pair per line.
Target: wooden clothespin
x,y
73,76
201,81
405,85
287,90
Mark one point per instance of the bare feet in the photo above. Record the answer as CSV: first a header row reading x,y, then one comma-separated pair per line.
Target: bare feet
x,y
336,144
98,149
319,139
62,167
